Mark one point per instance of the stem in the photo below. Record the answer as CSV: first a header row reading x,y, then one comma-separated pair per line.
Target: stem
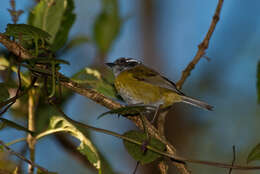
x,y
203,46
31,126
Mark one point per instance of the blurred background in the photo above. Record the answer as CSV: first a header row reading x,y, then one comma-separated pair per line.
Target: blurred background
x,y
165,35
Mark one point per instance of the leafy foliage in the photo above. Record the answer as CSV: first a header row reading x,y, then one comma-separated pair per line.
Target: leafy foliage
x,y
107,25
67,21
48,15
44,36
138,152
60,124
91,78
24,32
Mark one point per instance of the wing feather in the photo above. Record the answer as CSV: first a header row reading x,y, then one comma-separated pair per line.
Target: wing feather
x,y
150,76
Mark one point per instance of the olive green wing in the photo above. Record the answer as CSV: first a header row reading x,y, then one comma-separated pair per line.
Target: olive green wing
x,y
145,74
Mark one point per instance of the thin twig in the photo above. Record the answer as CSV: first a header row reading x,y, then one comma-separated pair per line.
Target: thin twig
x,y
17,91
234,159
23,158
31,126
160,126
20,94
15,14
163,167
203,46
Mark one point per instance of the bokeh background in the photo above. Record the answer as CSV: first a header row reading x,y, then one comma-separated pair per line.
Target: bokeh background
x,y
165,35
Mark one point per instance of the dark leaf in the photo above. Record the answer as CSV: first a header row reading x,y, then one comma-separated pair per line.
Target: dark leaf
x,y
47,15
107,25
137,151
68,20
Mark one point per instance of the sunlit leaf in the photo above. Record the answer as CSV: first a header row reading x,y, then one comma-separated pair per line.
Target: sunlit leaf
x,y
137,151
4,94
15,171
14,125
66,23
254,154
60,124
91,78
48,15
4,63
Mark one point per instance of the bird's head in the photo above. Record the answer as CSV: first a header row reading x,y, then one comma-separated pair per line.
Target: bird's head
x,y
122,64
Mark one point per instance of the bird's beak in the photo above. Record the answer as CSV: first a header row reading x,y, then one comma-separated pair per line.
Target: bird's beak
x,y
110,64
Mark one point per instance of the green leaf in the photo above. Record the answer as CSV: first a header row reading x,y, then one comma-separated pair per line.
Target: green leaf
x,y
48,15
258,81
129,110
15,125
136,151
68,20
92,78
76,41
4,94
254,154
26,32
60,124
107,25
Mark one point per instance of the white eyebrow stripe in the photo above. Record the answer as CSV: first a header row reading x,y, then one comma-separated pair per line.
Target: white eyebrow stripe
x,y
132,60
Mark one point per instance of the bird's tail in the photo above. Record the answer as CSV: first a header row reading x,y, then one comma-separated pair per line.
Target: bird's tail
x,y
196,103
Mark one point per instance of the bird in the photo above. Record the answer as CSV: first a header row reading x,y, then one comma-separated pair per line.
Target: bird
x,y
137,84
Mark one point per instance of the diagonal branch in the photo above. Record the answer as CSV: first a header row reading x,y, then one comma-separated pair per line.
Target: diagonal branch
x,y
14,47
203,46
23,158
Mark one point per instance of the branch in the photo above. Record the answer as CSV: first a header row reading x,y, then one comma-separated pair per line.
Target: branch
x,y
161,129
14,47
23,158
203,46
31,126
